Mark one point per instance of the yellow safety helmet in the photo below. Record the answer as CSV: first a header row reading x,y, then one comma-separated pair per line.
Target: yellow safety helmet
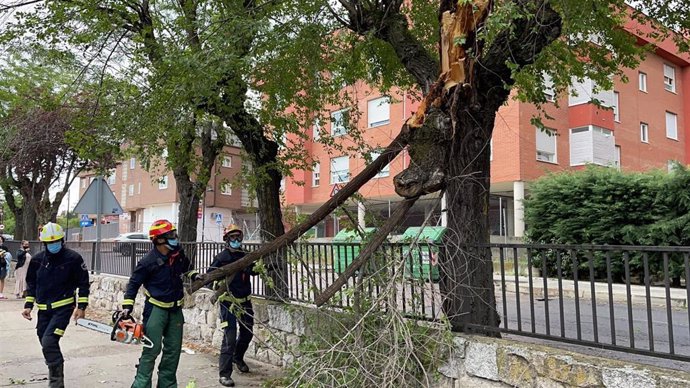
x,y
51,232
232,229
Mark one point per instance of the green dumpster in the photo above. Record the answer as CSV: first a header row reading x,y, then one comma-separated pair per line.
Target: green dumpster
x,y
421,259
347,244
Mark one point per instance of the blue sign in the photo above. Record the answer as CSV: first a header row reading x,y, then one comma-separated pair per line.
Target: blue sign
x,y
85,221
219,219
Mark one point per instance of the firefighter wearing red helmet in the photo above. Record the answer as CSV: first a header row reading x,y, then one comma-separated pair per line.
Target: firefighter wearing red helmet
x,y
235,307
161,272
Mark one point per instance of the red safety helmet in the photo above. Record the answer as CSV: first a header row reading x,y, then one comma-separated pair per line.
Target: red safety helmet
x,y
160,227
232,229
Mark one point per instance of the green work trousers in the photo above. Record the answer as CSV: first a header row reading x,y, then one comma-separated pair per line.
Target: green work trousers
x,y
164,328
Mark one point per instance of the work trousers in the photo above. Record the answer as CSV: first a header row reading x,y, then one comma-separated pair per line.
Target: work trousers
x,y
164,328
234,347
50,327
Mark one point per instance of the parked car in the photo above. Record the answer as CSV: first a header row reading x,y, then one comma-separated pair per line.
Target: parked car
x,y
126,241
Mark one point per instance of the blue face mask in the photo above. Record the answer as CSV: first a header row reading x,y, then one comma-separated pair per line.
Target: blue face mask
x,y
54,247
173,244
235,244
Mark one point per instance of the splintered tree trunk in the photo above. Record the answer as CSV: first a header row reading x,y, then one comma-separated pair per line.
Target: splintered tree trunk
x,y
270,217
467,281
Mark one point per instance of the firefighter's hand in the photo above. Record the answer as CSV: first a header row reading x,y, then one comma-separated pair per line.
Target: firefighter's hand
x,y
27,314
78,314
126,313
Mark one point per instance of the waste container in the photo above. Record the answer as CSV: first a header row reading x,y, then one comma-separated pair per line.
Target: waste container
x,y
347,244
421,259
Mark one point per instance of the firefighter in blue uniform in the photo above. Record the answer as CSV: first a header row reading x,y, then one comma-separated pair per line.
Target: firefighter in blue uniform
x,y
235,307
52,280
161,272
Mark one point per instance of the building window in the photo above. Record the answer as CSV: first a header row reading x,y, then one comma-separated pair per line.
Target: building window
x,y
124,171
593,145
546,145
132,163
644,132
340,169
379,112
670,78
338,121
643,82
617,161
130,190
316,175
123,196
226,188
386,170
83,182
163,183
671,126
227,161
139,188
111,176
316,129
549,92
616,107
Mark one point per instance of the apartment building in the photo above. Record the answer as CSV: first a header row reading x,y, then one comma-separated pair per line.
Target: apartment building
x,y
148,196
646,126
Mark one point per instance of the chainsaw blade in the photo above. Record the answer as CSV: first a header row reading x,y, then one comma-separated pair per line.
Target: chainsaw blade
x,y
93,325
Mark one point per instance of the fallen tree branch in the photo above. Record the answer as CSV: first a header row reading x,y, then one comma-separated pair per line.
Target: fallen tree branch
x,y
397,216
393,149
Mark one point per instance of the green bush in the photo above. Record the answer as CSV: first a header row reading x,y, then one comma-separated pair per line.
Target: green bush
x,y
603,206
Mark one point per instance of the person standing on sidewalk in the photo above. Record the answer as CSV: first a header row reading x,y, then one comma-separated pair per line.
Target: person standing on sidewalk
x,y
161,272
235,307
4,265
52,279
23,260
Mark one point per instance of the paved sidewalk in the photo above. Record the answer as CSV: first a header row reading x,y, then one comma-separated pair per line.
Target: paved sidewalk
x,y
92,360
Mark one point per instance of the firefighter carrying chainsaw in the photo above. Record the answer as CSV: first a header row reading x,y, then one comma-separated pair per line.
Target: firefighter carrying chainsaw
x,y
235,307
161,273
52,280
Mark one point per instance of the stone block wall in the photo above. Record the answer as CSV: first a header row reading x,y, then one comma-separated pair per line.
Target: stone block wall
x,y
475,362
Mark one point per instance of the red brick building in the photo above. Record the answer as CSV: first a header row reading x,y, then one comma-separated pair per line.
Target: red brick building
x,y
646,128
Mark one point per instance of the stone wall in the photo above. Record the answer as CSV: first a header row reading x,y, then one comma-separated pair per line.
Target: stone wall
x,y
474,361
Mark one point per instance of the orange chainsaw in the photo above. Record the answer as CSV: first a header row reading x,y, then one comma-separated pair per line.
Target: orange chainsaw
x,y
124,329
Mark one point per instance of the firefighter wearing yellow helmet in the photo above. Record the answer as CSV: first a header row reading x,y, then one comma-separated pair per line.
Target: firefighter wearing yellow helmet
x,y
235,307
57,283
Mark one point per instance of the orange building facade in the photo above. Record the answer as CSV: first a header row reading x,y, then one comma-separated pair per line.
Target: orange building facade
x,y
645,126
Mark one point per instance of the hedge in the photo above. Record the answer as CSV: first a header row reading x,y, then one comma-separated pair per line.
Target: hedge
x,y
600,205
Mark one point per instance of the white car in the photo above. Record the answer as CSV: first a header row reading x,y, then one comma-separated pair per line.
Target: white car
x,y
124,243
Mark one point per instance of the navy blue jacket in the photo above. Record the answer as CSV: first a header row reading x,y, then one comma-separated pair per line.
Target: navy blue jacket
x,y
241,285
54,278
162,277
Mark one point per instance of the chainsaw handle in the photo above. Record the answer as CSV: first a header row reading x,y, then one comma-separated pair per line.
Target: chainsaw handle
x,y
118,318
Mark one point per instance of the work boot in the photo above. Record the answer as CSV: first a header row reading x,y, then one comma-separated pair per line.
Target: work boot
x,y
242,366
226,382
56,376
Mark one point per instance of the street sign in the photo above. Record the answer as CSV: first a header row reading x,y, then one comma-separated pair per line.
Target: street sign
x,y
219,219
85,221
336,188
88,203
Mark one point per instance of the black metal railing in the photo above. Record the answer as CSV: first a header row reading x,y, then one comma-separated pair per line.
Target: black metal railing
x,y
630,298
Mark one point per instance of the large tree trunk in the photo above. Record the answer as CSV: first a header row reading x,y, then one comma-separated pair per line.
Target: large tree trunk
x,y
189,208
467,271
270,216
